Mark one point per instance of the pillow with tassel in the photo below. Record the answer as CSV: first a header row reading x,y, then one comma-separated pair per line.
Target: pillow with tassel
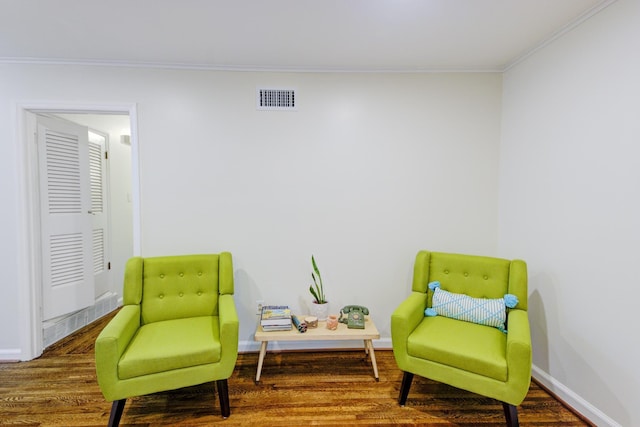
x,y
483,311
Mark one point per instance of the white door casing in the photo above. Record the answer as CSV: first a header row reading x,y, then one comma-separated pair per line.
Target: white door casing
x,y
65,219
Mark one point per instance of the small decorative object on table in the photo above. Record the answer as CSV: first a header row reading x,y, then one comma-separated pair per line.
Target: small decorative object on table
x,y
301,326
311,321
332,322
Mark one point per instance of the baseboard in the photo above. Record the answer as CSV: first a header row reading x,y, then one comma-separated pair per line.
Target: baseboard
x,y
254,346
56,329
10,355
571,399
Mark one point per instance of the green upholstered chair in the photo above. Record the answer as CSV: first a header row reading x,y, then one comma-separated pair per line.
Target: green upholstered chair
x,y
470,356
178,327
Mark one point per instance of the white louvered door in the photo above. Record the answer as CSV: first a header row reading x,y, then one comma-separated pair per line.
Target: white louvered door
x,y
99,223
66,229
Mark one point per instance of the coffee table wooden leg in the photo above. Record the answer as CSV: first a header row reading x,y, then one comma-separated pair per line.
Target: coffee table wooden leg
x,y
263,351
369,345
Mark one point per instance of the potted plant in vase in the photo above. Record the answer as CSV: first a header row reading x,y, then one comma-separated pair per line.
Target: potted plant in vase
x,y
320,306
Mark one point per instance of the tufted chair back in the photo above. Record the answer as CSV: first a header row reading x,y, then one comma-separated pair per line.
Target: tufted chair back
x,y
174,287
476,276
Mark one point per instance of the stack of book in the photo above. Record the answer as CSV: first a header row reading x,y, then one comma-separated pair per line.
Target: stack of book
x,y
275,318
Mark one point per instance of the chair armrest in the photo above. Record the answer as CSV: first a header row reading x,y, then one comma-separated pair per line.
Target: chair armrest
x,y
229,331
519,350
404,320
111,343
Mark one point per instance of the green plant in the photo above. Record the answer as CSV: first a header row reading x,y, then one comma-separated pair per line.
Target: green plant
x,y
318,291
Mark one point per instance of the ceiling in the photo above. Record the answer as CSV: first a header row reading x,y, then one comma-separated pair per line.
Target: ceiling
x,y
287,35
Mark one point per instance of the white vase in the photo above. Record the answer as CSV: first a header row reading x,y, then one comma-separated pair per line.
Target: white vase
x,y
320,311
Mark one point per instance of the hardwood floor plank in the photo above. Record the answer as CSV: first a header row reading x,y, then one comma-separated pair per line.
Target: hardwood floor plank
x,y
296,389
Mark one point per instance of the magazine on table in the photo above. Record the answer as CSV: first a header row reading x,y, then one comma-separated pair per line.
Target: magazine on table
x,y
275,315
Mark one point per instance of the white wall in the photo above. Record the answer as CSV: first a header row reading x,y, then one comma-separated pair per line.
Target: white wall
x,y
570,174
372,168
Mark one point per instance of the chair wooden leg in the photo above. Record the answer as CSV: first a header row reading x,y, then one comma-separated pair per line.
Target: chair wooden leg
x,y
223,394
404,387
511,414
116,412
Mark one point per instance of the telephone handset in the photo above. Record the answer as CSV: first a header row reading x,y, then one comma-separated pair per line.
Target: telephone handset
x,y
354,316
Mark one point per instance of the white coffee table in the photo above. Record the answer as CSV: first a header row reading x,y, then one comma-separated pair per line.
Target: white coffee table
x,y
321,333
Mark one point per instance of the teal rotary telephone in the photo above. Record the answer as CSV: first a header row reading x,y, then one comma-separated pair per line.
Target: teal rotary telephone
x,y
354,316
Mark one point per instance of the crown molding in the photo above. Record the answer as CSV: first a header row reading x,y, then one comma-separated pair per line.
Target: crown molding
x,y
236,68
559,33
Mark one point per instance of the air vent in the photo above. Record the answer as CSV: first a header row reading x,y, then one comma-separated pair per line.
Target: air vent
x,y
276,99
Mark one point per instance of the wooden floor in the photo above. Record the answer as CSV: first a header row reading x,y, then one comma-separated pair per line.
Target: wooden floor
x,y
296,389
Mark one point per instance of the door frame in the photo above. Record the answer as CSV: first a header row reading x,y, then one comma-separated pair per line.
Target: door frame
x,y
29,241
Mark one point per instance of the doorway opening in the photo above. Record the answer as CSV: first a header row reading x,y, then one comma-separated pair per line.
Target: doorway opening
x,y
112,211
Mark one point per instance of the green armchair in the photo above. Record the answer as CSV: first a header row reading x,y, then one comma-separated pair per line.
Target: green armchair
x,y
470,356
178,328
